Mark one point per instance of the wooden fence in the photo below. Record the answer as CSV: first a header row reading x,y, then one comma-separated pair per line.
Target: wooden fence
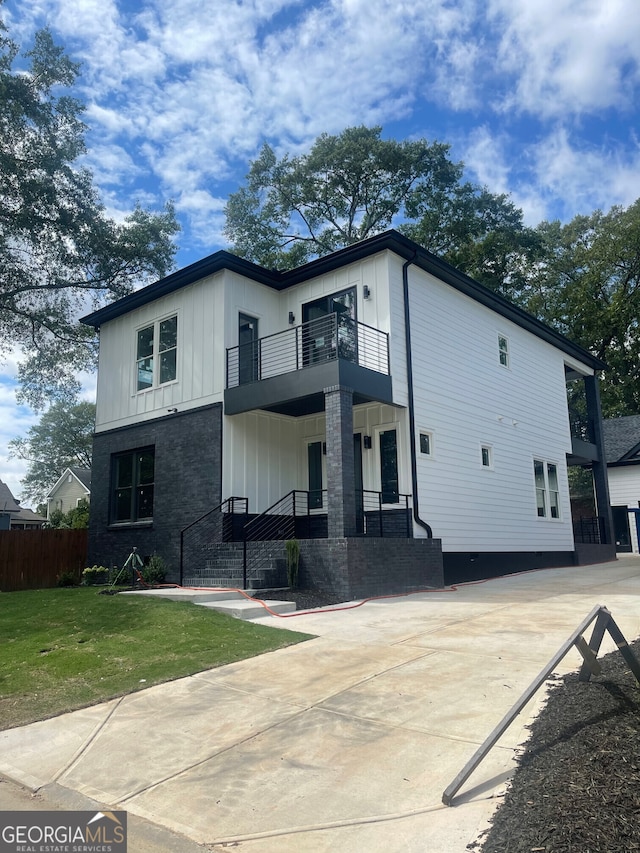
x,y
35,559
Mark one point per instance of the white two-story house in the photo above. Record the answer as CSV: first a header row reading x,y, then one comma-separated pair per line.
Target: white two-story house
x,y
403,423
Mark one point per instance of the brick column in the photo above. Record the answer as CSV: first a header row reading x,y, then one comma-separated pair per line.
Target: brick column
x,y
341,485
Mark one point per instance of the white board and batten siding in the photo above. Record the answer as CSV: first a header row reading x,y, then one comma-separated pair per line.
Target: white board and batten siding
x,y
624,490
207,321
465,399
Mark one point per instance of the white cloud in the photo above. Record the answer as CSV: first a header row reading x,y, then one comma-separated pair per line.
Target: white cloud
x,y
584,176
568,56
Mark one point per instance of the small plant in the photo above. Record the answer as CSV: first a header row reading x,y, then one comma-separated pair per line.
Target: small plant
x,y
69,578
293,561
93,575
155,571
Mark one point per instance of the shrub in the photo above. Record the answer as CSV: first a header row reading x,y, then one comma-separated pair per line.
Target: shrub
x,y
155,570
93,575
69,578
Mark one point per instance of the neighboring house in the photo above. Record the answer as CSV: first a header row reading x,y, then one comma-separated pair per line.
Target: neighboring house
x,y
27,519
395,417
15,517
73,487
622,446
9,507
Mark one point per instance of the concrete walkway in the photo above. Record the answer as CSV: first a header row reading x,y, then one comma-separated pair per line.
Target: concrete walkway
x,y
342,743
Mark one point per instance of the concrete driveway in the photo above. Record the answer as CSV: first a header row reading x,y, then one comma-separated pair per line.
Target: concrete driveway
x,y
342,743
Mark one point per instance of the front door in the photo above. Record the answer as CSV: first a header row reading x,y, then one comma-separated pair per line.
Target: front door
x,y
357,467
248,349
389,467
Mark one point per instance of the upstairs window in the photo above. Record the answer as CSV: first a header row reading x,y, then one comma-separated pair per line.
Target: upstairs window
x,y
156,353
486,456
503,350
547,489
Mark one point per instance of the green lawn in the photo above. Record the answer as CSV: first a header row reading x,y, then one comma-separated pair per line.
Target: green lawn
x,y
62,649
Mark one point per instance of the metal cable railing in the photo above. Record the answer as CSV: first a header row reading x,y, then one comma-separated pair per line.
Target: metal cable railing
x,y
314,342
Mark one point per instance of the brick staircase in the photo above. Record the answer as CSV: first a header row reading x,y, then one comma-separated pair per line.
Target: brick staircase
x,y
223,566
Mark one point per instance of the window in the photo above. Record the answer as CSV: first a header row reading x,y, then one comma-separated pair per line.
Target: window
x,y
486,456
547,489
133,484
426,443
503,350
156,353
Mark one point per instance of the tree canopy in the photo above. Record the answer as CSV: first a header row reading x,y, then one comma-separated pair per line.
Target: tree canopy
x,y
356,184
586,284
60,254
63,438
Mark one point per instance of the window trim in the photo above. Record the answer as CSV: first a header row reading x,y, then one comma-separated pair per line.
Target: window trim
x,y
156,354
489,450
548,504
429,436
504,351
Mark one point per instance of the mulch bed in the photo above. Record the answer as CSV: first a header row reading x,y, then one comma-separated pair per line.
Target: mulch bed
x,y
305,599
577,785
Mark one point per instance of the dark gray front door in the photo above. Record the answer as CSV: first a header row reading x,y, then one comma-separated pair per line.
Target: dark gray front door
x,y
389,467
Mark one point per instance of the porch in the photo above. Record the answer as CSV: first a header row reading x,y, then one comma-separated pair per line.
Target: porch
x,y
230,547
287,372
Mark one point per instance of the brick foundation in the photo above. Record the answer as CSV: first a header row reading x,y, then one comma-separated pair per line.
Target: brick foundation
x,y
362,567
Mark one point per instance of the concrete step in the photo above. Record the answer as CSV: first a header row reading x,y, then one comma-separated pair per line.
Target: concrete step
x,y
248,609
195,596
214,581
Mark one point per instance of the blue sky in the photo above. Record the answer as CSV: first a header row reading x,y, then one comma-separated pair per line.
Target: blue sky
x,y
539,99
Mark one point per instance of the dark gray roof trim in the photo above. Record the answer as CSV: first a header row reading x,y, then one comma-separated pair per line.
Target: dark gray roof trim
x,y
389,240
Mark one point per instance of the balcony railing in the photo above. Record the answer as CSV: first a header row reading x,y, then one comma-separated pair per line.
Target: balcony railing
x,y
315,342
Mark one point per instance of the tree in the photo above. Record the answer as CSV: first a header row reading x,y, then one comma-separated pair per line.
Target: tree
x,y
355,185
76,519
59,253
587,285
478,232
62,439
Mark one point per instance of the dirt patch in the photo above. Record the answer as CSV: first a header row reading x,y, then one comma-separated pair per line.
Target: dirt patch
x,y
577,785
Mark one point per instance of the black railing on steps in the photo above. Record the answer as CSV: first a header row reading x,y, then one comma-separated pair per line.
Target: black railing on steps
x,y
297,515
219,524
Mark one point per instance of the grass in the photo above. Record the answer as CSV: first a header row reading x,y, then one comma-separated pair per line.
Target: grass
x,y
63,649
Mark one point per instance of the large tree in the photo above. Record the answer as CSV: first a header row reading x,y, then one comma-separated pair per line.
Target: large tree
x,y
354,185
62,439
587,285
60,254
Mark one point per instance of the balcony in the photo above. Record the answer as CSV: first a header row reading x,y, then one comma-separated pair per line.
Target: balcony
x,y
287,372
